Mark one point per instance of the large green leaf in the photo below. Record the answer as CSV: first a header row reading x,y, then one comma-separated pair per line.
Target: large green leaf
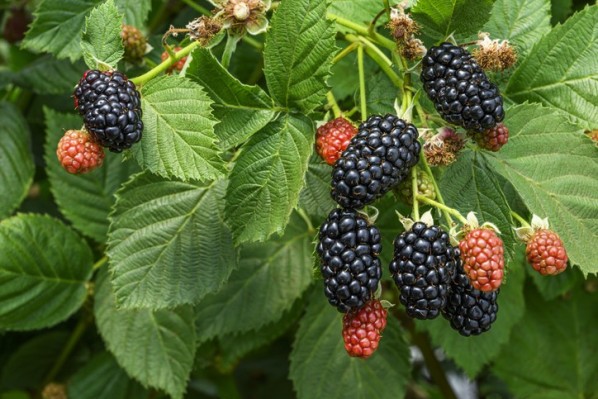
x,y
100,41
241,109
102,377
552,351
168,243
155,347
94,191
267,178
178,136
358,11
136,11
470,184
44,269
271,277
16,161
57,27
560,70
472,353
315,197
554,168
523,22
320,367
63,72
440,18
298,54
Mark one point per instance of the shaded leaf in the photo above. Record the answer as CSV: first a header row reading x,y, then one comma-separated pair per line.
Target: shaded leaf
x,y
315,197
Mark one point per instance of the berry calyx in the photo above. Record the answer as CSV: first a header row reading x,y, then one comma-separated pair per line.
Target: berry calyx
x,y
134,43
494,55
482,253
546,253
333,138
178,66
492,139
78,153
362,329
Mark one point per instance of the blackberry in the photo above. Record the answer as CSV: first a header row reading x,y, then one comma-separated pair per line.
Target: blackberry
x,y
470,311
379,157
111,108
423,263
459,88
348,248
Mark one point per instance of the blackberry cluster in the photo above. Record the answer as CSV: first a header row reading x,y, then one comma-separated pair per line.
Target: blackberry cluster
x,y
111,108
348,248
470,311
459,88
423,263
379,157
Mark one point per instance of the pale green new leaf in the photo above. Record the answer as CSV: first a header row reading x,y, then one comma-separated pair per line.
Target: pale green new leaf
x,y
136,11
57,27
101,42
156,348
63,72
472,353
321,368
440,18
16,160
315,197
241,109
94,191
178,136
267,178
102,377
554,167
469,185
560,70
168,244
271,277
44,269
522,22
552,351
298,54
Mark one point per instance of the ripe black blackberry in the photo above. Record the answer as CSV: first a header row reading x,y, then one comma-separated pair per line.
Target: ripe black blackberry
x,y
423,263
348,248
459,88
111,108
470,311
379,157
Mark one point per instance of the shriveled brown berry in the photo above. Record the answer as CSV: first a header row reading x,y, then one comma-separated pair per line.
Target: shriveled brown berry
x,y
78,153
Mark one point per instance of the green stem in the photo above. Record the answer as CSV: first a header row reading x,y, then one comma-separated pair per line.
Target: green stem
x,y
443,207
415,193
427,169
378,57
100,263
229,49
164,65
344,52
76,335
363,30
362,97
306,219
333,104
521,220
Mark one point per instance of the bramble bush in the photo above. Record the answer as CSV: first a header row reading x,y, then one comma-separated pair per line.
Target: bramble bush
x,y
187,186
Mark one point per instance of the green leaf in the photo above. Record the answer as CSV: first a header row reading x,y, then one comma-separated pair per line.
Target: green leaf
x,y
470,184
298,54
267,178
380,93
554,168
154,347
178,136
251,299
358,11
100,41
561,9
441,18
560,70
522,22
44,269
136,11
30,363
315,197
16,161
57,27
94,191
534,366
472,353
241,109
320,367
102,377
63,72
550,287
168,243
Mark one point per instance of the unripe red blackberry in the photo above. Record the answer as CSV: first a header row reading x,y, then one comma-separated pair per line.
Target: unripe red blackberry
x,y
482,253
333,138
78,153
362,329
492,139
348,248
546,253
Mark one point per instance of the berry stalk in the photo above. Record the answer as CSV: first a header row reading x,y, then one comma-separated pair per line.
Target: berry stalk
x,y
520,219
363,30
164,65
362,97
444,208
415,193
